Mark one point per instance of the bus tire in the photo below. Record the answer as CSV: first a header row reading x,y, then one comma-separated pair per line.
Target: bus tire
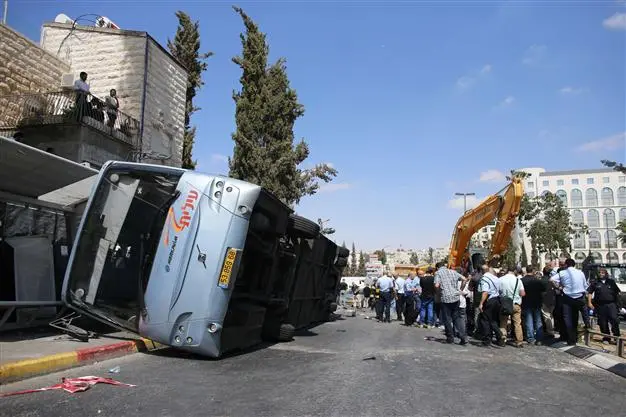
x,y
303,227
286,332
343,252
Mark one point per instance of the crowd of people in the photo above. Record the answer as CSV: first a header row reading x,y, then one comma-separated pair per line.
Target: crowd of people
x,y
498,305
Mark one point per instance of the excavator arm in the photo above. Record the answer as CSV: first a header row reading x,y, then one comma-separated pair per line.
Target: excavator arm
x,y
503,206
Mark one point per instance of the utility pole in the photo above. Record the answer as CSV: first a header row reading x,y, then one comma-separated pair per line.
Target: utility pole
x,y
464,199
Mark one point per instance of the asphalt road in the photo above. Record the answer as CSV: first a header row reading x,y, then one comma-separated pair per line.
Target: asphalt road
x,y
323,372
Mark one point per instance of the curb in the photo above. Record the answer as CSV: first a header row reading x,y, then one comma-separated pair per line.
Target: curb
x,y
614,365
15,371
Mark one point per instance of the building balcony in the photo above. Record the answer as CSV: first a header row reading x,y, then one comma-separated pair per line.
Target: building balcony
x,y
73,124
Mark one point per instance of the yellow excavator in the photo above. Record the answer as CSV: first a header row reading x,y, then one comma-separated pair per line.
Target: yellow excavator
x,y
503,207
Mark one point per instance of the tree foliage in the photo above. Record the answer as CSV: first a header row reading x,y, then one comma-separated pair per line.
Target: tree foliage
x,y
621,228
186,49
266,111
615,165
353,261
550,230
524,256
361,267
382,256
431,258
414,259
323,229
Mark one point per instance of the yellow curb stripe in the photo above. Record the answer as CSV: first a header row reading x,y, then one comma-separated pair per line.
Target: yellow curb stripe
x,y
38,366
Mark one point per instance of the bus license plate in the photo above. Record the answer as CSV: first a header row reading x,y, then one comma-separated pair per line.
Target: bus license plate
x,y
227,269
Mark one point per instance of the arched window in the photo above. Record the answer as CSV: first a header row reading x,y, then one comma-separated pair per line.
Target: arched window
x,y
580,256
562,195
607,197
594,240
612,257
591,195
593,218
621,196
577,197
597,258
624,256
579,241
577,218
609,218
622,214
611,239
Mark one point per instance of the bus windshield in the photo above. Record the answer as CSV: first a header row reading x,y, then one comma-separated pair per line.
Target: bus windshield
x,y
115,249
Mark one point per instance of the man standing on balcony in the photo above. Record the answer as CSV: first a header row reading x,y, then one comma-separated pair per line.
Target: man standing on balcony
x,y
82,90
112,104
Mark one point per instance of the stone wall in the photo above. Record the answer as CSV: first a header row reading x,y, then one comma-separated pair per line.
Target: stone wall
x,y
164,117
112,59
24,67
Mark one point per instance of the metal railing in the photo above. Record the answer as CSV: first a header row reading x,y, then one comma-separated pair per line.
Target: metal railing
x,y
67,107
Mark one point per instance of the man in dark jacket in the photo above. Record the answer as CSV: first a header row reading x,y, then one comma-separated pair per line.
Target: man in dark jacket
x,y
531,306
603,294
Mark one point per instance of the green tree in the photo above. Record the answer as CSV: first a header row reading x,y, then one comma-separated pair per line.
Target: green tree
x,y
414,259
266,111
323,229
382,256
353,263
534,256
186,49
509,258
431,258
551,229
615,165
361,268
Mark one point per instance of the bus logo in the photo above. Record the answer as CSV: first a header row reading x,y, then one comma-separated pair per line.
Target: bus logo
x,y
184,220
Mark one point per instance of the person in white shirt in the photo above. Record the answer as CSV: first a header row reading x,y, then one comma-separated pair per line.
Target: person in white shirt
x,y
400,299
573,284
512,287
81,84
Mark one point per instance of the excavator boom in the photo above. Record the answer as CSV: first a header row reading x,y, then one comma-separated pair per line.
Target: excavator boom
x,y
503,206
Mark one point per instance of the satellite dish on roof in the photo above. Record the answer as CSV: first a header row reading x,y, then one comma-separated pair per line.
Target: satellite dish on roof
x,y
105,22
63,18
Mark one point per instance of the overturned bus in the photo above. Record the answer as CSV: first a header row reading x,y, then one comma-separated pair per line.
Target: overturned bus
x,y
203,263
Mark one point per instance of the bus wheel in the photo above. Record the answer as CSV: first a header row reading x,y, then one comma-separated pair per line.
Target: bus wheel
x,y
286,333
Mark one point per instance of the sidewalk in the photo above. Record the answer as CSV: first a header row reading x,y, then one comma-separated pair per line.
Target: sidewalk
x,y
27,354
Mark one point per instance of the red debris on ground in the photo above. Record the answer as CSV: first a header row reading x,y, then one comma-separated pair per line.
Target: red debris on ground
x,y
73,385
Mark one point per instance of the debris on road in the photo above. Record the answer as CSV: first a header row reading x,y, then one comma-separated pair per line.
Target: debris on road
x,y
370,358
115,370
72,385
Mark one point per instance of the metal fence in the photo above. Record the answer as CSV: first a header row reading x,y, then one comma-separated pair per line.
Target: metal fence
x,y
68,107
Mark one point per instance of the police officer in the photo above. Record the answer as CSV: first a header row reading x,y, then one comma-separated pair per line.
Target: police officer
x,y
603,294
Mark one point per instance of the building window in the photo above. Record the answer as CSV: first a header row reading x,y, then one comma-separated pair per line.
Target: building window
x,y
591,195
577,198
622,214
609,218
606,180
607,197
621,196
560,182
594,240
577,218
562,195
546,183
612,257
574,181
590,181
579,241
597,257
593,218
531,194
622,179
530,184
610,237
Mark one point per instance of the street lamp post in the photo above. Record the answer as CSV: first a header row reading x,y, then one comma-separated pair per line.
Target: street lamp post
x,y
464,199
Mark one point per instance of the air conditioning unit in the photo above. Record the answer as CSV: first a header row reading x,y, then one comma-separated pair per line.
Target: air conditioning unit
x,y
67,81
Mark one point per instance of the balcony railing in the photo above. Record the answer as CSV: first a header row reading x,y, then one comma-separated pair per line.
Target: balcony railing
x,y
67,107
